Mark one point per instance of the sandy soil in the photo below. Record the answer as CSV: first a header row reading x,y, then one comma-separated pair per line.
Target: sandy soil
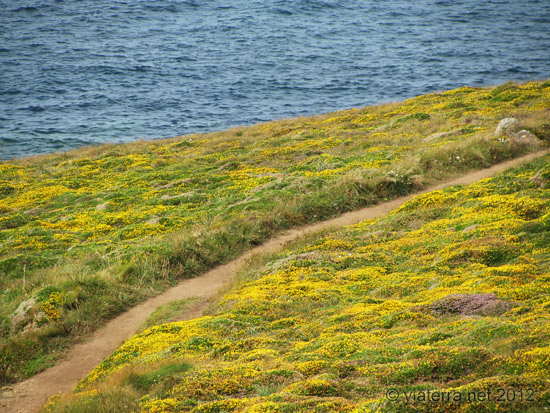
x,y
32,394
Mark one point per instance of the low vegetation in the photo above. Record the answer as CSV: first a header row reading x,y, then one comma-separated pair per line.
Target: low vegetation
x,y
167,313
86,234
447,295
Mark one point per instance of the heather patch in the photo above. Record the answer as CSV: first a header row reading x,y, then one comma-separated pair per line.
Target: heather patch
x,y
469,304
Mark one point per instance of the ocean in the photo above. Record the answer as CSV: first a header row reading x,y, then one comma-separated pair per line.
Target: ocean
x,y
75,73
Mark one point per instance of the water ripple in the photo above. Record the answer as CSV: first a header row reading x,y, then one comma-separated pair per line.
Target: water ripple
x,y
92,71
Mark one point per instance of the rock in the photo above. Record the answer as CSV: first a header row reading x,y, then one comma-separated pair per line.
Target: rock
x,y
33,211
10,239
469,228
102,207
40,317
469,304
185,194
507,126
167,186
435,282
438,135
32,326
229,166
541,178
25,306
525,137
174,183
21,313
153,221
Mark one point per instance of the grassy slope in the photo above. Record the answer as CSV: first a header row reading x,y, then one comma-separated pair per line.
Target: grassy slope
x,y
332,324
91,232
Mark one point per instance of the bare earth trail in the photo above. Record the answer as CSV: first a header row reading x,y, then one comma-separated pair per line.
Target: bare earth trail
x,y
32,394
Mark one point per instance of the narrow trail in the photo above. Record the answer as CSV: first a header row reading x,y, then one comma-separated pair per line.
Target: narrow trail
x,y
31,395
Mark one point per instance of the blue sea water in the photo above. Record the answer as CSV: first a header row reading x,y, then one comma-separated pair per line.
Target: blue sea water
x,y
79,72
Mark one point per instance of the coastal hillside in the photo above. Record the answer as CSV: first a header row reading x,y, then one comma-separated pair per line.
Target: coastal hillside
x,y
442,305
84,235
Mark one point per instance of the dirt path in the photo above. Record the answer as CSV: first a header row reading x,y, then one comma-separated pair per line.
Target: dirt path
x,y
31,395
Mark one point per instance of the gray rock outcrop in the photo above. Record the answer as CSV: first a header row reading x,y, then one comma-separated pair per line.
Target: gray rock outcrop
x,y
525,137
507,126
22,311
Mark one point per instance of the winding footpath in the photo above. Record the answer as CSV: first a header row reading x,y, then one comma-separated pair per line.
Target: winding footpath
x,y
32,394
